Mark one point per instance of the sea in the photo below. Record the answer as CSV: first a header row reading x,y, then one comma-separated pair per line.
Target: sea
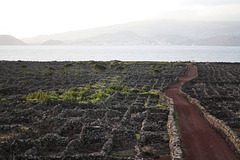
x,y
122,53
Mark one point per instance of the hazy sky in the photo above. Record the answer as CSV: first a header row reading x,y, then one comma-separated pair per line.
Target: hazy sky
x,y
25,18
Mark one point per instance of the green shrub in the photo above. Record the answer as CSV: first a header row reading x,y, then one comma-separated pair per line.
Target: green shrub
x,y
159,106
3,100
50,68
152,91
67,65
144,89
120,87
49,73
110,89
99,67
99,96
126,91
138,136
23,66
41,96
76,94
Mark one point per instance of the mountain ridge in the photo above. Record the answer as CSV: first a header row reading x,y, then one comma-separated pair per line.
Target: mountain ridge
x,y
151,32
10,40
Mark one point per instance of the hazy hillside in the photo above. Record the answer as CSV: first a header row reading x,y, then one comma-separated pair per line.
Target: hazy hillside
x,y
53,42
225,40
9,40
164,32
118,38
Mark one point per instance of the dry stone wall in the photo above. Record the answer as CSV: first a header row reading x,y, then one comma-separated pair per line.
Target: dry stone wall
x,y
124,126
216,123
215,94
175,140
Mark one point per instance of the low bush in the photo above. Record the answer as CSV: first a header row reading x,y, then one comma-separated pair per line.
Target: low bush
x,y
144,89
41,96
100,68
76,94
3,100
23,66
156,72
67,65
50,68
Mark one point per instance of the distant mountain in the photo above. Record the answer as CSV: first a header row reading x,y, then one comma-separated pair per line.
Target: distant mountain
x,y
158,32
53,42
10,40
118,38
225,40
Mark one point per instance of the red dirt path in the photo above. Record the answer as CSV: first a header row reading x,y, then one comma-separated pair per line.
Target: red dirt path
x,y
200,141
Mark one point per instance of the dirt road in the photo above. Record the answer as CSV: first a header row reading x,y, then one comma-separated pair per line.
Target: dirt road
x,y
200,141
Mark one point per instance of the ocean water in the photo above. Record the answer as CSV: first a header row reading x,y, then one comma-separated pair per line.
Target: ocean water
x,y
123,53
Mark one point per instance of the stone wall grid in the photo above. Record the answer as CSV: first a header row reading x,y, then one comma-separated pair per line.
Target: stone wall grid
x,y
216,123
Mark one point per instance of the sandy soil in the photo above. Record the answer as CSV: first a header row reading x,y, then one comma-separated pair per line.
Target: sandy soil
x,y
200,141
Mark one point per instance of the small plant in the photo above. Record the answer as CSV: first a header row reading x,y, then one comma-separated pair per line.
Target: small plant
x,y
1,86
110,89
49,73
126,91
27,71
50,68
138,136
156,72
99,96
23,66
152,91
24,128
144,89
67,65
165,137
76,94
3,100
158,106
100,68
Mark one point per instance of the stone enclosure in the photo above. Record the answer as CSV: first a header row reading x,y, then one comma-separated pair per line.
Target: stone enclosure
x,y
122,126
216,93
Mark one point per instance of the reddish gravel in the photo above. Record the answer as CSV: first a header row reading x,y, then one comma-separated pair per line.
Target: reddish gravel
x,y
200,141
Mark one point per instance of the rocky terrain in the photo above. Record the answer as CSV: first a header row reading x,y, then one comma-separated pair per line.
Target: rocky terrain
x,y
85,110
